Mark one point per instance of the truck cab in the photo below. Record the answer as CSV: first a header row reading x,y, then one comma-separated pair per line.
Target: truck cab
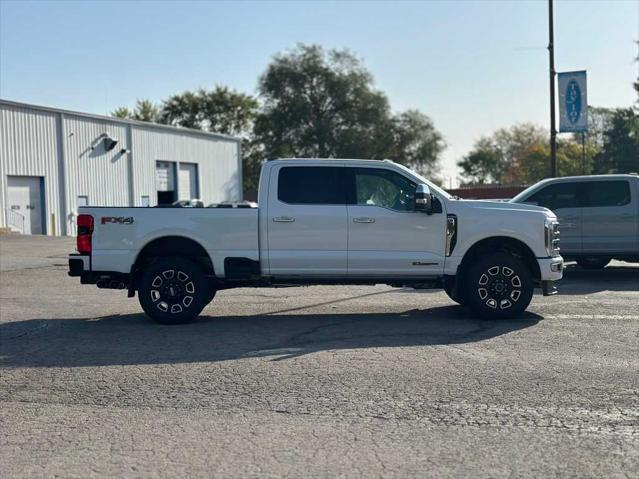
x,y
325,221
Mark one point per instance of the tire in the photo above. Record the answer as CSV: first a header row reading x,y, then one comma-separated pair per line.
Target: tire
x,y
593,263
498,286
459,297
174,290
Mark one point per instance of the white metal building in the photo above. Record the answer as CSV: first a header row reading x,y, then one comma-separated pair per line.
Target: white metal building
x,y
53,161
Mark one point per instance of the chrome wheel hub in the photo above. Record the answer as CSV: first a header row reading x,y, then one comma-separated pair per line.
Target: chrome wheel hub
x,y
172,291
499,287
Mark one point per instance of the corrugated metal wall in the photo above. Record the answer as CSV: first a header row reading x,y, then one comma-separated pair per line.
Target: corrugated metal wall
x,y
102,176
68,150
29,146
217,160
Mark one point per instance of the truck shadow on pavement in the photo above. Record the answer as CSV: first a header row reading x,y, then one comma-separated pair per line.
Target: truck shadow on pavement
x,y
134,339
577,280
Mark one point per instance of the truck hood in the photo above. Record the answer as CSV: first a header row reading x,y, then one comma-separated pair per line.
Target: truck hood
x,y
498,210
503,205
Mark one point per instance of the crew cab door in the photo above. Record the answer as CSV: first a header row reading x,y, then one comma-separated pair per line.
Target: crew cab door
x,y
610,222
306,222
386,236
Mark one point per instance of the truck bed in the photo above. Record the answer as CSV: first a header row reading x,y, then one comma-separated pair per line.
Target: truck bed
x,y
121,233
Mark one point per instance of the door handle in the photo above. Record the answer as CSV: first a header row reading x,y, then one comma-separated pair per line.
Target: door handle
x,y
363,220
283,219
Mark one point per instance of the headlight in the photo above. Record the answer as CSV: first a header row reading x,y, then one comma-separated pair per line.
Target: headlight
x,y
551,235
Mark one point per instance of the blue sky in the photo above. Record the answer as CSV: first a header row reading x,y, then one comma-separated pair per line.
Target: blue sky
x,y
472,66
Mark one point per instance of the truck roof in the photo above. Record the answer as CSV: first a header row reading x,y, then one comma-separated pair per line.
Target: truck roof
x,y
590,177
331,159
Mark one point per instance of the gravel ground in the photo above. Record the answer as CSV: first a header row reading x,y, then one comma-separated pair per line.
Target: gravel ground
x,y
314,382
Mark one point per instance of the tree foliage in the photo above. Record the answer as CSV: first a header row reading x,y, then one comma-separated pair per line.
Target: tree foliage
x,y
220,110
319,103
620,149
521,155
312,103
144,110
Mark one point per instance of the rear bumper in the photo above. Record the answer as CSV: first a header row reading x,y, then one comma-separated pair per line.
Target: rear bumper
x,y
79,264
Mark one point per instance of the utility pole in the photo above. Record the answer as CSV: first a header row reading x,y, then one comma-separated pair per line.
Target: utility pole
x,y
553,131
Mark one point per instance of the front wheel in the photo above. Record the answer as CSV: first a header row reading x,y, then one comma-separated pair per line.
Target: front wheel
x,y
498,285
173,290
456,296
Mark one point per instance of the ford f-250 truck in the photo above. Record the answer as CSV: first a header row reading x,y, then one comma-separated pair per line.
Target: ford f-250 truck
x,y
324,222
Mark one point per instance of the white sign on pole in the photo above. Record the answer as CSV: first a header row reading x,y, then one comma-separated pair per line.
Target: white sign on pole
x,y
573,101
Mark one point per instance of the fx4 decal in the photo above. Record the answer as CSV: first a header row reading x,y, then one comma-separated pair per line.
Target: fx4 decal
x,y
119,220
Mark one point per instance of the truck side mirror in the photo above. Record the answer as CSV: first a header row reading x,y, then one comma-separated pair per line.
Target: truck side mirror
x,y
423,199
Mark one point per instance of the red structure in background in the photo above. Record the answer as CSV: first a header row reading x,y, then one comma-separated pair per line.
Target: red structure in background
x,y
487,192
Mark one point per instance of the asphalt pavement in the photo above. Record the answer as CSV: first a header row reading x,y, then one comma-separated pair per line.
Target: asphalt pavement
x,y
314,381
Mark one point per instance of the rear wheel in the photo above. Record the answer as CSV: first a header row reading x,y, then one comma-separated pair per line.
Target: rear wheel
x,y
174,290
498,285
593,263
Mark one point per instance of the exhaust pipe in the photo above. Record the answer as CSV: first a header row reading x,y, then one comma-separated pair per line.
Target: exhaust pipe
x,y
102,284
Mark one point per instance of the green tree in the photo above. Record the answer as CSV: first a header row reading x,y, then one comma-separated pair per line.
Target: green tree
x,y
220,110
620,151
483,164
122,112
144,110
416,143
502,157
521,154
319,103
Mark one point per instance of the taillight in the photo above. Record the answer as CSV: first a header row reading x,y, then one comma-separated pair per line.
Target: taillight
x,y
85,230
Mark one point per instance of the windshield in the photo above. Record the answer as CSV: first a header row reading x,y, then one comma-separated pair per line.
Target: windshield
x,y
421,179
521,197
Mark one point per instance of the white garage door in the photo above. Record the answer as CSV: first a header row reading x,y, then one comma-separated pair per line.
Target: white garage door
x,y
25,204
187,181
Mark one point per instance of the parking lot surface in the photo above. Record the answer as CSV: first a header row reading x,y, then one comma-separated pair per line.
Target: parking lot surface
x,y
315,381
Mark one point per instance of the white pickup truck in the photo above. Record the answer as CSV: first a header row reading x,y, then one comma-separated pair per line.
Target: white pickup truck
x,y
324,222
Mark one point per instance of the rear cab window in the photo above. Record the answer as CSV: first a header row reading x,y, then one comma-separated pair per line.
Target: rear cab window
x,y
606,193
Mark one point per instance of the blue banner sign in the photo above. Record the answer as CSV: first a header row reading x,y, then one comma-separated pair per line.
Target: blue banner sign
x,y
573,102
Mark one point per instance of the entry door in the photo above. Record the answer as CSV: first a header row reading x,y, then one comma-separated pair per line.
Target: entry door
x,y
386,236
187,181
306,217
609,217
165,182
25,204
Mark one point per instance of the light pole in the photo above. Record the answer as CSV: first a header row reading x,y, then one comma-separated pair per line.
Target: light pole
x,y
553,131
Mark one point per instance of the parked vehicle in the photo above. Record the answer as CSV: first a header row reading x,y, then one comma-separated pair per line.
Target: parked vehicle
x,y
598,216
324,222
194,203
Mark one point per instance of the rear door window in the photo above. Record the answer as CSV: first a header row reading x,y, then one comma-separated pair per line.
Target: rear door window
x,y
607,193
311,185
557,196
